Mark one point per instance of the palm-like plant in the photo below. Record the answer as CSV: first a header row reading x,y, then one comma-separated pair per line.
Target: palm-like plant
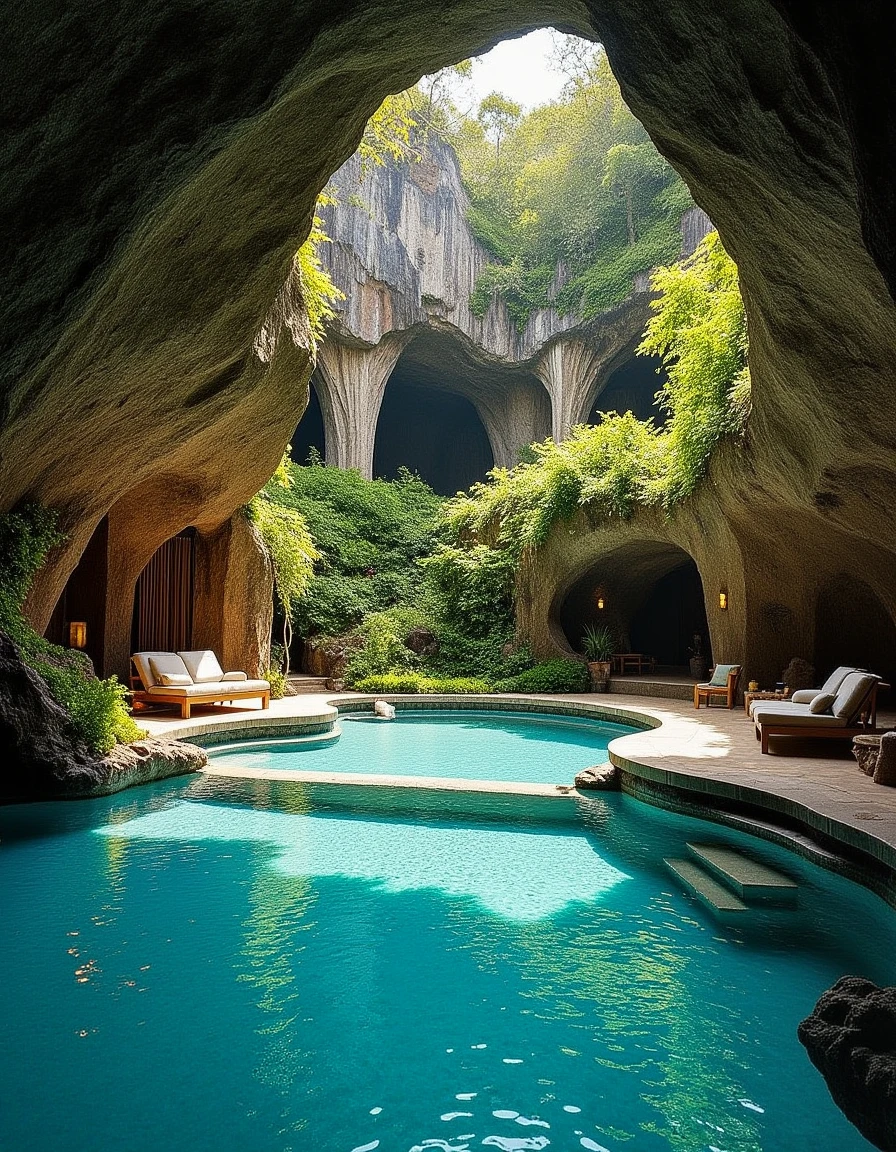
x,y
598,642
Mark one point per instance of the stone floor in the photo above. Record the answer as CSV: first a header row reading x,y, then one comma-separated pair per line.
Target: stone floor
x,y
710,751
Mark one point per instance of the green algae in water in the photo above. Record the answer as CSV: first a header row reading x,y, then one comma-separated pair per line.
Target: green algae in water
x,y
184,972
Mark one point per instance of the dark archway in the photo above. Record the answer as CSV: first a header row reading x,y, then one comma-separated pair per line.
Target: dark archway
x,y
853,627
652,597
673,611
632,387
310,431
433,432
164,597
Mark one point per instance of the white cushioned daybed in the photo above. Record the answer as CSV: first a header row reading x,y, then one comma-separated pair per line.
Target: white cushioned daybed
x,y
188,678
841,715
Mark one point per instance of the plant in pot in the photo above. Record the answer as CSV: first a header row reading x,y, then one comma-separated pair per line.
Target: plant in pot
x,y
598,643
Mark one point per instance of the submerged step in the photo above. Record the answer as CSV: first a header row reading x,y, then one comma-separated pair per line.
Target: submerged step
x,y
705,887
747,877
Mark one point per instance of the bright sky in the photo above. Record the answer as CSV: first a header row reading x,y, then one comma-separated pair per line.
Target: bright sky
x,y
519,69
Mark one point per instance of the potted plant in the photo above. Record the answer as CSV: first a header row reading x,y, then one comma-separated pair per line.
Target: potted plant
x,y
598,643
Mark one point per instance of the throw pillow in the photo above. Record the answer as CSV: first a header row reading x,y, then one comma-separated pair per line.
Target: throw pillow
x,y
720,675
822,702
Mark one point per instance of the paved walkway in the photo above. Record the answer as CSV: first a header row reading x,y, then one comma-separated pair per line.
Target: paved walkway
x,y
710,751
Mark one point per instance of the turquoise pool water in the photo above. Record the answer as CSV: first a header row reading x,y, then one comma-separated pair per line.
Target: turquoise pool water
x,y
182,971
462,744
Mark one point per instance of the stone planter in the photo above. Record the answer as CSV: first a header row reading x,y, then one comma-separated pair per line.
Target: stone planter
x,y
699,667
599,670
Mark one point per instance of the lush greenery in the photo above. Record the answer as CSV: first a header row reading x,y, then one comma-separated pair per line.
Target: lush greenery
x,y
369,533
384,573
550,676
699,330
575,183
598,642
97,707
415,682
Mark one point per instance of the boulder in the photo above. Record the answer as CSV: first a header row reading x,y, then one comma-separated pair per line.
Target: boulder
x,y
422,641
799,674
137,763
851,1039
41,748
599,778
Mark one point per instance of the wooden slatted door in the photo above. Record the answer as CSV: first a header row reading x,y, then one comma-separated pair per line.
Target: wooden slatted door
x,y
163,604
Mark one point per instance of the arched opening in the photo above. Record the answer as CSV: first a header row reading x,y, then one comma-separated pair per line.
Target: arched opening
x,y
164,598
853,627
632,387
650,594
435,433
310,430
84,598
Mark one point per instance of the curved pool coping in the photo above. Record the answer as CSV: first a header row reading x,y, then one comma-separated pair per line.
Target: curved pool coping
x,y
812,820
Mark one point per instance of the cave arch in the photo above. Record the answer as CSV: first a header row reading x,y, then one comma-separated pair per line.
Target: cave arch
x,y
124,314
310,432
631,387
853,626
653,600
434,432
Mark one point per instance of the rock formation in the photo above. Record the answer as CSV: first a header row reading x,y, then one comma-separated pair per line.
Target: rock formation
x,y
44,758
851,1039
160,170
402,252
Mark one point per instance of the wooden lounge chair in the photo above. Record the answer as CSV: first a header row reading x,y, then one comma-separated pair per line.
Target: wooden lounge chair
x,y
721,686
187,678
851,712
807,695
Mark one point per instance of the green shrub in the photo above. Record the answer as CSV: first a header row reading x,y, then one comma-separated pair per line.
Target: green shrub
x,y
384,649
551,676
97,707
370,535
412,682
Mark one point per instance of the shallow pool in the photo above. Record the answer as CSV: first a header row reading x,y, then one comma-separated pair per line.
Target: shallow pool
x,y
461,744
184,971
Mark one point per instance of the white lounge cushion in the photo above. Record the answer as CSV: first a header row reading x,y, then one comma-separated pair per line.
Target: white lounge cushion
x,y
168,663
796,716
832,685
203,666
221,690
852,694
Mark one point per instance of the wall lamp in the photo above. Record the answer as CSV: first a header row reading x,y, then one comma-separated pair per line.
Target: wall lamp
x,y
723,600
600,603
77,634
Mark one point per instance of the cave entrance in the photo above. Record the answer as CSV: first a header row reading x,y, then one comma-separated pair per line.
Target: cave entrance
x,y
163,598
652,597
852,626
632,387
309,434
84,598
432,431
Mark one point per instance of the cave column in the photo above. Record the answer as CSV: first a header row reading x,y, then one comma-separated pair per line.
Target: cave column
x,y
568,369
352,383
233,606
513,419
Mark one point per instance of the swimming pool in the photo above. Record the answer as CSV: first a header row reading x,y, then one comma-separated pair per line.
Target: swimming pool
x,y
461,744
186,970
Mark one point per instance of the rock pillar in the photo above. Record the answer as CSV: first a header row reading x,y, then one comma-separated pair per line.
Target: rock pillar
x,y
233,609
569,369
513,419
352,382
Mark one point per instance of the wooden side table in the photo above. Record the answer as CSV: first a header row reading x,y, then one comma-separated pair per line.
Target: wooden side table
x,y
763,694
